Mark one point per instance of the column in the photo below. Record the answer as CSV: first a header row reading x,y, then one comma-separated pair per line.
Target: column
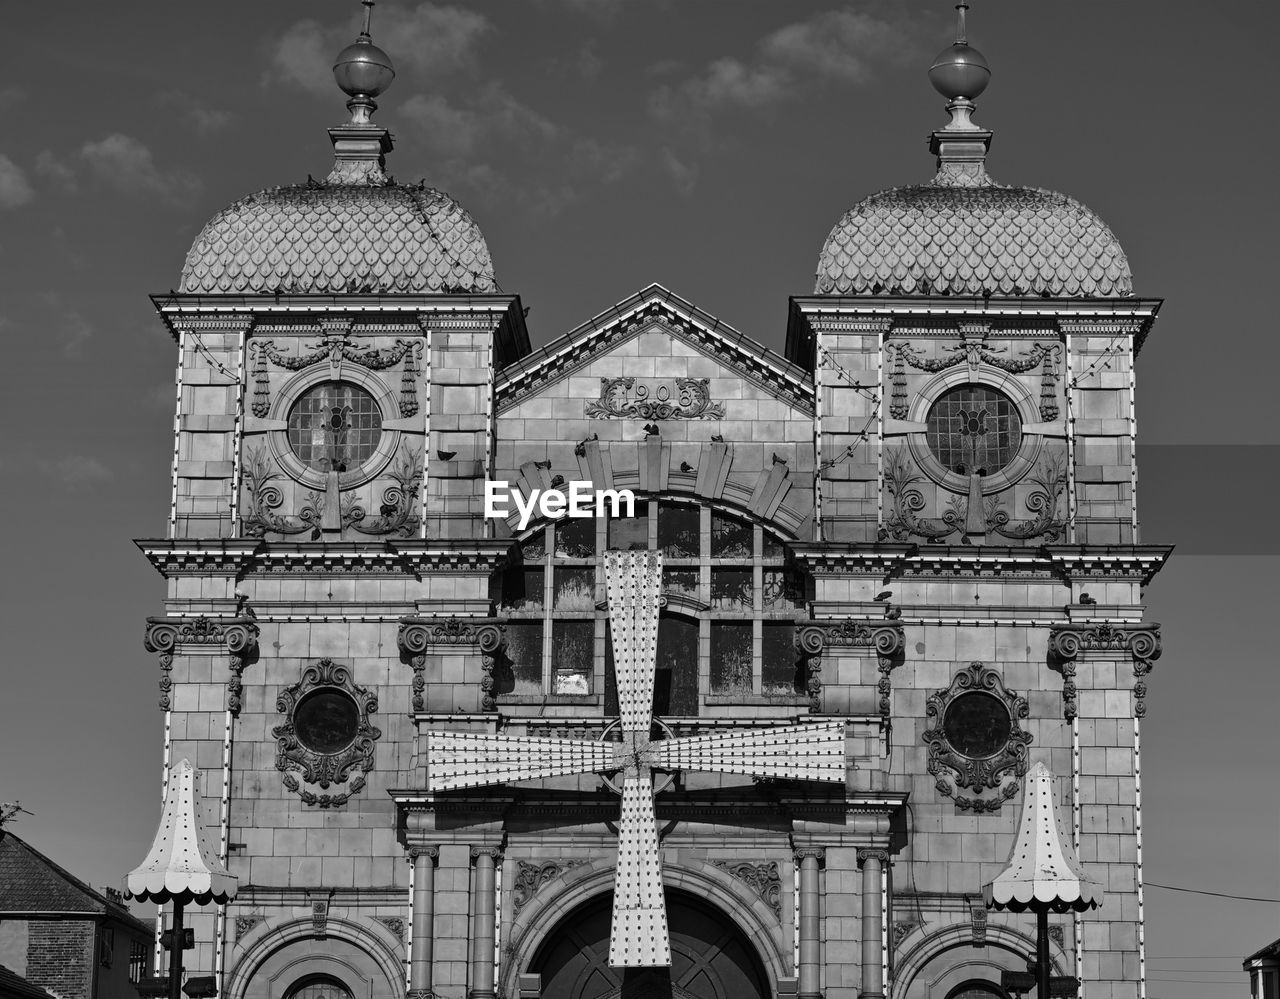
x,y
482,927
810,924
872,863
424,917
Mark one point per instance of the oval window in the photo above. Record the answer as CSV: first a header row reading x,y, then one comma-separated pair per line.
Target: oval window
x,y
335,427
974,428
977,725
326,721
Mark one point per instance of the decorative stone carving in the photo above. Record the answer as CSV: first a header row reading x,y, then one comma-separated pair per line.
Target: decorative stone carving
x,y
900,929
763,879
815,636
396,516
978,924
974,352
258,516
1056,934
531,877
417,634
393,923
903,521
635,399
325,768
245,924
336,348
319,917
1000,770
239,635
1140,641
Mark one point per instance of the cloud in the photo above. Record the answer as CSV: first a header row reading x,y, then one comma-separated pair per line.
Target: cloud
x,y
203,119
685,175
76,470
128,166
430,39
494,115
15,189
471,144
53,169
841,45
70,327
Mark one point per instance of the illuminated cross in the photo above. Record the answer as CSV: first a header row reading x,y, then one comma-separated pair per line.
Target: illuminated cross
x,y
639,936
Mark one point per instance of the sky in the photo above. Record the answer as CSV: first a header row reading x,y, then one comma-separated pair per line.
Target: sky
x,y
601,145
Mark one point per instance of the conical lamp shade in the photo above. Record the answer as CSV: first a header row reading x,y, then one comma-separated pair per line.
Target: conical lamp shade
x,y
181,867
1043,873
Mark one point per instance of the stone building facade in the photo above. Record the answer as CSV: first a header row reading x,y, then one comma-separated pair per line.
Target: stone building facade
x,y
920,522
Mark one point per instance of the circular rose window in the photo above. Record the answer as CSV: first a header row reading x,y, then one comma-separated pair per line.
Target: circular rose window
x,y
326,721
977,725
974,428
335,427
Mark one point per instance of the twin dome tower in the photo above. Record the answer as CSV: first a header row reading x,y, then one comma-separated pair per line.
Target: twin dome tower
x,y
360,231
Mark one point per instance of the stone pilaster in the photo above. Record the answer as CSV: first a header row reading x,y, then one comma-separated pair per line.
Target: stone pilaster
x,y
872,863
1105,667
421,949
483,922
810,982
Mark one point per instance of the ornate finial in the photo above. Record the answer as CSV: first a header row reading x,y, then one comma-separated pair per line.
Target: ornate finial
x,y
960,73
362,71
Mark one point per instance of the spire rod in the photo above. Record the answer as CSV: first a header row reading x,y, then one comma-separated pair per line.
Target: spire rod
x,y
961,30
368,13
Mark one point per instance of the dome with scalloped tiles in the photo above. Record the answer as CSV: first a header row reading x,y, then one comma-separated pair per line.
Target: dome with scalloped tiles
x,y
944,238
964,234
340,238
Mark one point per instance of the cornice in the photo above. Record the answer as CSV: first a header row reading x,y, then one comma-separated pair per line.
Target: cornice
x,y
248,557
1051,561
167,636
630,318
1068,643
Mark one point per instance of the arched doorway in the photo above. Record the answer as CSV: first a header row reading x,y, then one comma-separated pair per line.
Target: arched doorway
x,y
318,987
976,989
711,958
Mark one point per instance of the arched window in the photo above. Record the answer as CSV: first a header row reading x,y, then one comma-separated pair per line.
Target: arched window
x,y
727,632
318,987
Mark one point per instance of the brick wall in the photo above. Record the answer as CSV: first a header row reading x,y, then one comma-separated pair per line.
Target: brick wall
x,y
61,957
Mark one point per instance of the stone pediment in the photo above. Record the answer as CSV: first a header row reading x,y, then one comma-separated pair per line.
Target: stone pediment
x,y
634,388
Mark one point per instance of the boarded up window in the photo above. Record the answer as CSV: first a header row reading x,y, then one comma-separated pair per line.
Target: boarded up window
x,y
679,530
731,589
675,688
731,671
575,589
781,668
576,537
522,588
730,537
521,670
573,646
630,533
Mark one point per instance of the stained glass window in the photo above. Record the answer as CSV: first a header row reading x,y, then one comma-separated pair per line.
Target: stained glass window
x,y
974,428
334,427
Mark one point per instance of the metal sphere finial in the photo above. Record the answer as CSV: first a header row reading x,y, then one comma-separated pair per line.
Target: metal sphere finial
x,y
960,72
363,71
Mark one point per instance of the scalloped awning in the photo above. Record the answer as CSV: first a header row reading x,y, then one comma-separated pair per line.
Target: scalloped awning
x,y
181,867
1043,873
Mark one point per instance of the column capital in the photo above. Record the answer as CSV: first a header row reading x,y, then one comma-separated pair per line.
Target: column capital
x,y
880,856
492,852
817,853
424,851
1081,641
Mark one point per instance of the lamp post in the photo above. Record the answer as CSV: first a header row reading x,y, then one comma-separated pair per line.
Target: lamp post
x,y
1043,874
181,868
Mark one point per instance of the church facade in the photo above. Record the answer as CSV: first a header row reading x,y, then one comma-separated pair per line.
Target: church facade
x,y
867,584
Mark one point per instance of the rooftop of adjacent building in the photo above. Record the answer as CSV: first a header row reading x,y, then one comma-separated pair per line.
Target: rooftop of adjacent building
x,y
14,986
33,885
